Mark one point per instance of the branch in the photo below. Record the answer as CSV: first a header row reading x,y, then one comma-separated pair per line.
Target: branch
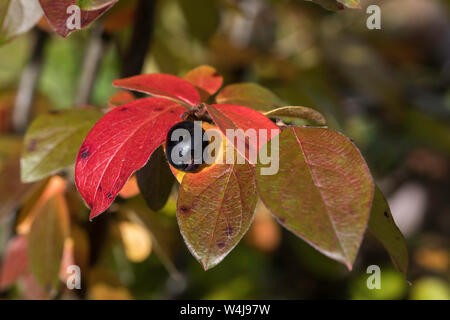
x,y
28,83
94,53
141,38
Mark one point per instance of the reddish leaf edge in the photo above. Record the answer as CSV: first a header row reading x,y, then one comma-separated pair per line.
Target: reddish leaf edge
x,y
121,83
102,9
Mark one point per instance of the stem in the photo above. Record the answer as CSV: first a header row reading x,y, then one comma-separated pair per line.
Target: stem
x,y
91,63
141,38
28,83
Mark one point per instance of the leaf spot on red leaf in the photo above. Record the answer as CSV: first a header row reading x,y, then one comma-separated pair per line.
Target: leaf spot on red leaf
x,y
85,153
100,188
109,195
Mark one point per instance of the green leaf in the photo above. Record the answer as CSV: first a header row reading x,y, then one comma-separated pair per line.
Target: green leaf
x,y
12,190
215,209
46,241
155,180
249,95
383,227
202,17
322,192
90,5
53,140
17,17
299,113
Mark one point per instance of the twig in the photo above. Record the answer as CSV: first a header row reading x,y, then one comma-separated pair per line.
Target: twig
x,y
141,38
91,63
28,83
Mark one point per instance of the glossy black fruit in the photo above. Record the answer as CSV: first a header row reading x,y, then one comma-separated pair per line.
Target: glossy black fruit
x,y
185,146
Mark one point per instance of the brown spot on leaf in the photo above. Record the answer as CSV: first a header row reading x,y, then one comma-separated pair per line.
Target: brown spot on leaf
x,y
32,146
221,245
100,188
123,109
158,109
282,220
184,209
109,195
85,153
386,214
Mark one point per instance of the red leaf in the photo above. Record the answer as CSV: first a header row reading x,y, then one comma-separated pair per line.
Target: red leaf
x,y
162,85
15,261
206,79
119,144
238,117
56,13
119,98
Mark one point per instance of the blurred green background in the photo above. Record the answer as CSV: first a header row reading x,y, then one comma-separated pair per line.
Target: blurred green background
x,y
388,90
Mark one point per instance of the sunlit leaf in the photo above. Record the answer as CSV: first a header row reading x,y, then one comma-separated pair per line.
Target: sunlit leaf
x,y
298,112
383,227
265,233
162,85
161,234
130,189
136,240
354,4
37,199
155,180
67,259
58,16
230,117
53,140
322,192
120,143
250,95
206,79
17,17
46,242
215,209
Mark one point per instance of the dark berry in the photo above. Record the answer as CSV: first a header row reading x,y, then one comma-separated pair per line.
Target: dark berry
x,y
185,146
